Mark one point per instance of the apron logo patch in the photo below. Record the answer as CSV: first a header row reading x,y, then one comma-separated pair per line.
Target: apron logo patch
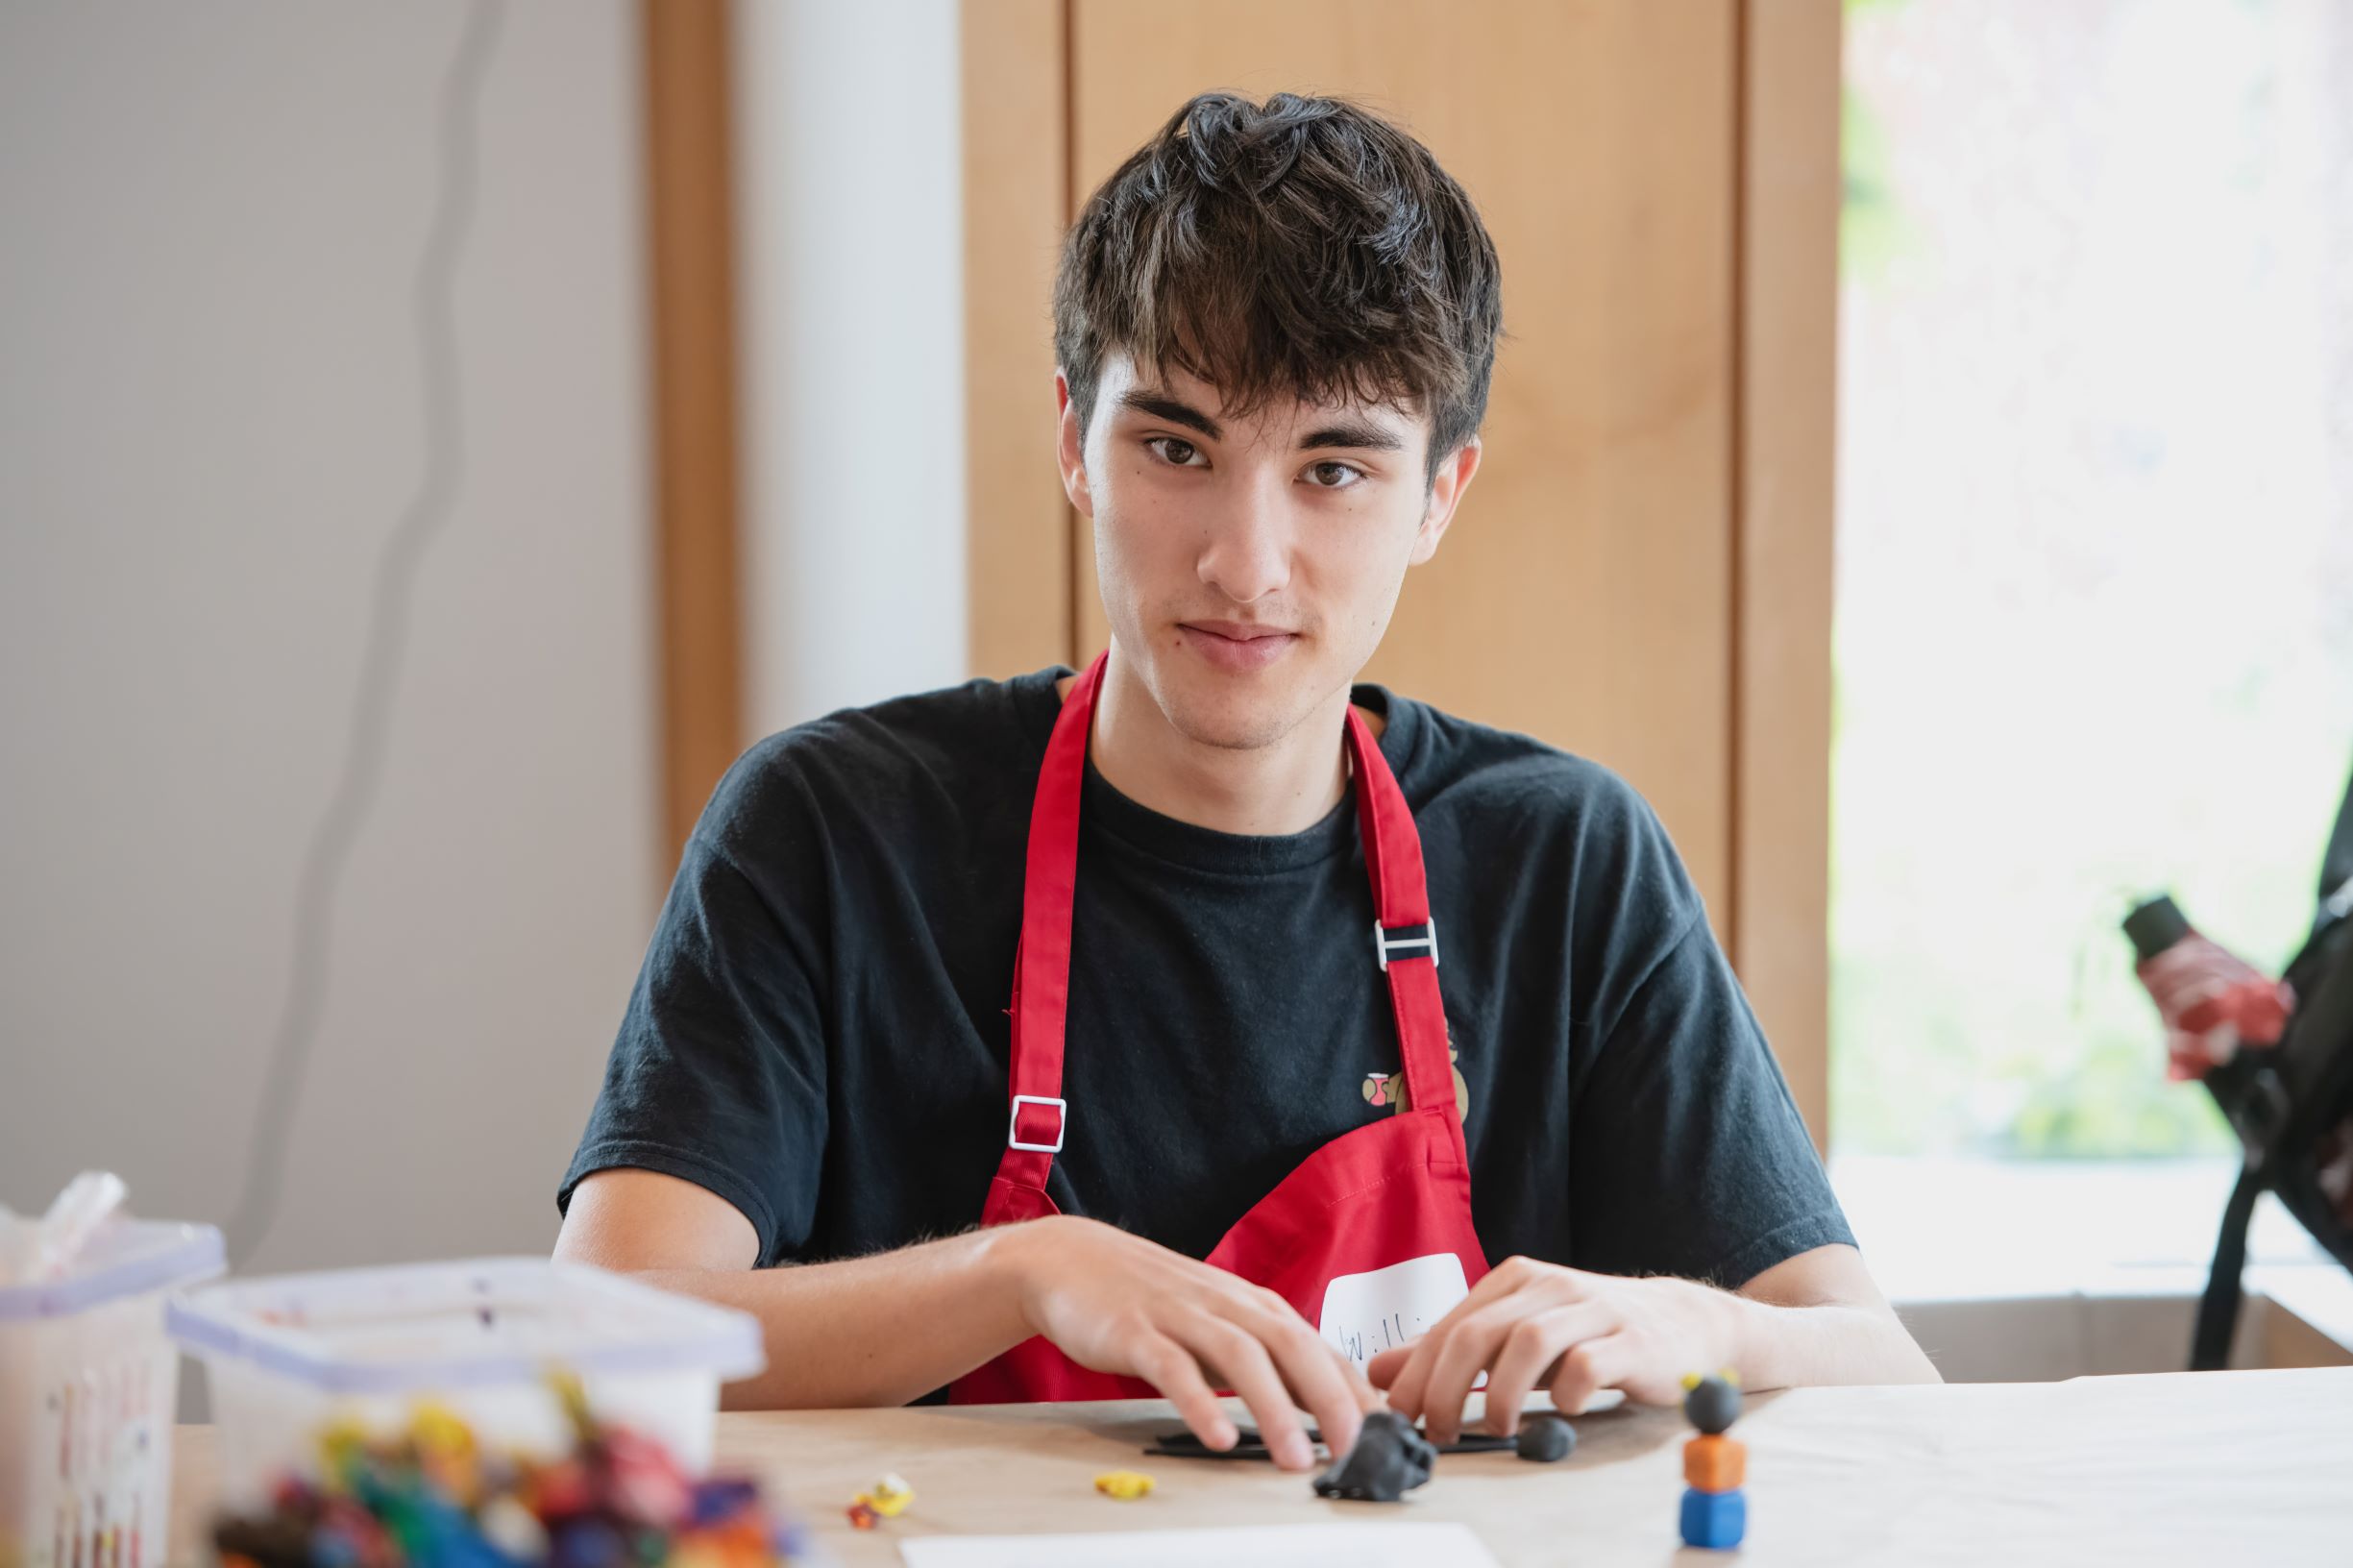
x,y
1389,1088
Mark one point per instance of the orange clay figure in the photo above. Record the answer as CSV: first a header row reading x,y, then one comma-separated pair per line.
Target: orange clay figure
x,y
1715,1463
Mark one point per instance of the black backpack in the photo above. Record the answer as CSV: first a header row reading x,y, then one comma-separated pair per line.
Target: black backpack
x,y
2292,1105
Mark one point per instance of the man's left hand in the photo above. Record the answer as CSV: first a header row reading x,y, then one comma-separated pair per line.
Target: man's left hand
x,y
1533,1325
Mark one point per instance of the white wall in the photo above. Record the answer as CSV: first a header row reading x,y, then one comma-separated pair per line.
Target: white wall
x,y
209,420
849,166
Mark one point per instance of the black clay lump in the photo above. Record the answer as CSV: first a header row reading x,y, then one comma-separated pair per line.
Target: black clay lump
x,y
1545,1438
1391,1460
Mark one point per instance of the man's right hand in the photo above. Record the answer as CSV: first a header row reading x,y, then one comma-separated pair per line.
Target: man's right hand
x,y
1119,1303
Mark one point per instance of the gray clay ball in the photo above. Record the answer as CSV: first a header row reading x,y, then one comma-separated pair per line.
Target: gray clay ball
x,y
1547,1438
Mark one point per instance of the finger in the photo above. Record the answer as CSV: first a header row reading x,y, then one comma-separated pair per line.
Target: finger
x,y
1585,1368
1502,1280
1465,1353
1320,1382
1558,1282
1243,1365
1408,1378
1383,1369
1531,1350
1171,1368
1367,1398
1412,1375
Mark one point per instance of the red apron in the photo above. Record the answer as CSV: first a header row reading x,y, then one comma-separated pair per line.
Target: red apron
x,y
1371,1238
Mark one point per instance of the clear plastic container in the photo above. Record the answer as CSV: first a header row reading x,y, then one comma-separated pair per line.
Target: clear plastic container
x,y
287,1356
89,1387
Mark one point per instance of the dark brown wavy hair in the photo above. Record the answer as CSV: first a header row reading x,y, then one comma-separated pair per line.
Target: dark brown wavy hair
x,y
1303,247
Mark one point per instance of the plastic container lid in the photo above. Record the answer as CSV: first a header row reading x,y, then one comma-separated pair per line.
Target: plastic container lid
x,y
462,1325
126,1257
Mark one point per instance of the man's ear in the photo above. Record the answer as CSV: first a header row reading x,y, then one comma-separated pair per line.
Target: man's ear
x,y
1071,448
1446,487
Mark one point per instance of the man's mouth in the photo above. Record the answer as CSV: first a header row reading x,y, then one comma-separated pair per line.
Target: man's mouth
x,y
1236,645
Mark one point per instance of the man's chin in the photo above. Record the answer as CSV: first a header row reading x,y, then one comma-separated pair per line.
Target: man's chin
x,y
1227,734
1230,712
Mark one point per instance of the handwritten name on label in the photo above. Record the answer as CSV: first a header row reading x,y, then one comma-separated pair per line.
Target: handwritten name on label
x,y
1364,1314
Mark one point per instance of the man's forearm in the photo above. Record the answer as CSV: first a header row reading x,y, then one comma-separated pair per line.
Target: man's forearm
x,y
870,1331
1786,1347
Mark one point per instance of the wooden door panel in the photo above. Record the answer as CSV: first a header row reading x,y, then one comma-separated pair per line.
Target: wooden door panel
x,y
1584,592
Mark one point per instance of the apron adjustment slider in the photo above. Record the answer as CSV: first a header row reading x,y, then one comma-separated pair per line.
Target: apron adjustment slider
x,y
1062,1122
1405,940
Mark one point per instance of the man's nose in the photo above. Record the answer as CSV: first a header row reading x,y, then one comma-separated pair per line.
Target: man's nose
x,y
1247,555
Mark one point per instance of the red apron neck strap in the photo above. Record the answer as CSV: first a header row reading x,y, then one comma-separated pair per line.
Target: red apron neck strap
x,y
1404,937
1392,844
1042,967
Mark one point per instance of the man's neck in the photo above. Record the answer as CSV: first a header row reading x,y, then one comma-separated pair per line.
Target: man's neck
x,y
1286,787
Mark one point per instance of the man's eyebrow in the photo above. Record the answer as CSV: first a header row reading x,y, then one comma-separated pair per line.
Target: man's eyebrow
x,y
1354,433
1160,406
1358,433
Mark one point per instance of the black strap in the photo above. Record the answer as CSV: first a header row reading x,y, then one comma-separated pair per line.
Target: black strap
x,y
2217,1314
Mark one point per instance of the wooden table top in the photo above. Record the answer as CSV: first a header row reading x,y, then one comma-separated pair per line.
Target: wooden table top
x,y
2208,1467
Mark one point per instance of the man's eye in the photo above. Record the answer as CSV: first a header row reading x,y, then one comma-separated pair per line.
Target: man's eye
x,y
1325,470
1172,449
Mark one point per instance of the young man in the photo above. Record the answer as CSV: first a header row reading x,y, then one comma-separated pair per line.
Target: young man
x,y
1325,1000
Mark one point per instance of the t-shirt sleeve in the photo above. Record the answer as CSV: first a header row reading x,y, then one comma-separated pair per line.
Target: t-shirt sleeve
x,y
1689,1156
717,1076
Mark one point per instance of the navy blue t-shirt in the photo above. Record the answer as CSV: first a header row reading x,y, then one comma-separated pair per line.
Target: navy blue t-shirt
x,y
820,1032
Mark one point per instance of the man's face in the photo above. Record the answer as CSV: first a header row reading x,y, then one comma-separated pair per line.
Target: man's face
x,y
1249,567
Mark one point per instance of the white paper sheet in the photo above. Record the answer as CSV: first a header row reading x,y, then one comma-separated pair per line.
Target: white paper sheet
x,y
1371,1544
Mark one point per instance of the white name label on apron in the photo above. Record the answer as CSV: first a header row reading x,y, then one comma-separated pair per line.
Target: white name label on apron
x,y
1368,1314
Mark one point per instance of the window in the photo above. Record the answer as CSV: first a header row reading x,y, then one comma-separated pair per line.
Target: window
x,y
2095,600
